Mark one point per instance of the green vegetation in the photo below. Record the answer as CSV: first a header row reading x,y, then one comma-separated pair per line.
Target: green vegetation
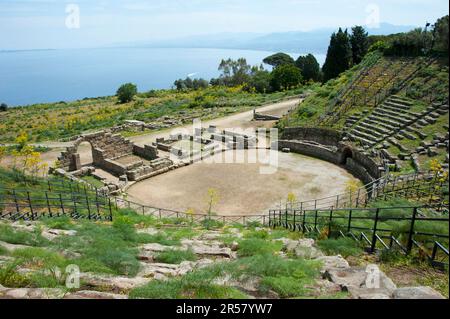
x,y
257,246
93,181
63,120
126,92
341,246
279,59
175,256
285,77
309,68
339,55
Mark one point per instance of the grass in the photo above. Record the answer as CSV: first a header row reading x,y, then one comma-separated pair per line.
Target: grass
x,y
175,256
286,277
93,181
10,235
62,120
342,246
257,246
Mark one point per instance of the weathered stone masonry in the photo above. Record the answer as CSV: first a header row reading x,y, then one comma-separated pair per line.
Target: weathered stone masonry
x,y
326,144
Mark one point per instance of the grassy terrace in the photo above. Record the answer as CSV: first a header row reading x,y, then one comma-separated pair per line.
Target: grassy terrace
x,y
55,121
428,85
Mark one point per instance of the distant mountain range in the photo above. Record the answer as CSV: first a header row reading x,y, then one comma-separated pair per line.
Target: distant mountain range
x,y
315,41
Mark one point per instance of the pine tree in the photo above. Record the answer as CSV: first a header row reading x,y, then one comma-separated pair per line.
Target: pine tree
x,y
360,43
339,55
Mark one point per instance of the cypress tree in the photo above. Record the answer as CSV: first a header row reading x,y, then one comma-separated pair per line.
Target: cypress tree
x,y
339,55
360,43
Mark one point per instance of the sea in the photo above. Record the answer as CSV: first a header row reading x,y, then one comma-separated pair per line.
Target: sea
x,y
43,76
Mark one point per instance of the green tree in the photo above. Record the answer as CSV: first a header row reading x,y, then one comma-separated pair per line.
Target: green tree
x,y
285,77
339,55
360,43
3,107
126,92
234,72
260,82
309,67
414,43
440,33
279,59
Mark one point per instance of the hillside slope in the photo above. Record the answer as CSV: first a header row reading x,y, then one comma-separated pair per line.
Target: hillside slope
x,y
396,107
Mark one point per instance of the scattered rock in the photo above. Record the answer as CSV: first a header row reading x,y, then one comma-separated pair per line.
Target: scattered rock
x,y
31,293
149,231
330,262
51,234
154,247
116,284
12,247
417,293
90,294
308,252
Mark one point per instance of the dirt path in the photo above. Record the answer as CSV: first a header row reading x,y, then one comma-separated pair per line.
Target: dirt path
x,y
241,120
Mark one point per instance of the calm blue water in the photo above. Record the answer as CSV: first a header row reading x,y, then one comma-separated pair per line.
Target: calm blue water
x,y
28,77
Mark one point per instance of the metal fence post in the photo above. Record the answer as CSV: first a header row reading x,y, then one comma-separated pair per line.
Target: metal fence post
x,y
48,204
374,236
62,204
315,220
411,231
30,205
110,209
329,223
15,202
293,222
349,226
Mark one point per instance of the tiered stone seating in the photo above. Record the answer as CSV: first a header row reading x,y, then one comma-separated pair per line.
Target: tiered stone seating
x,y
385,121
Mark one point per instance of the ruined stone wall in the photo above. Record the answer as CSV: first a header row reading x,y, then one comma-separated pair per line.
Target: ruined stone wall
x,y
104,146
319,135
313,150
359,171
148,152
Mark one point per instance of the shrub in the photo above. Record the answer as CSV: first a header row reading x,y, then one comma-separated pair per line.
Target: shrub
x,y
257,246
126,92
9,277
12,236
175,256
343,246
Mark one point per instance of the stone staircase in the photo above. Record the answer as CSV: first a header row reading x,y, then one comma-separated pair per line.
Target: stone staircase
x,y
386,120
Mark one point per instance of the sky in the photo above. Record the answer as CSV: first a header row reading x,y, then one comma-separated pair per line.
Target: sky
x,y
42,24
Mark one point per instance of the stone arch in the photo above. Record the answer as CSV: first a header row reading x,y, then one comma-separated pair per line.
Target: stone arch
x,y
347,153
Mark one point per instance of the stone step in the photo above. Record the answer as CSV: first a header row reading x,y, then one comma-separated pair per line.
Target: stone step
x,y
401,111
370,131
386,120
389,127
375,127
395,114
395,118
401,100
360,139
397,106
366,136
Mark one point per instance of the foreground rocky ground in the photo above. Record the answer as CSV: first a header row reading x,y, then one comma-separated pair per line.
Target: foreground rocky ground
x,y
177,259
